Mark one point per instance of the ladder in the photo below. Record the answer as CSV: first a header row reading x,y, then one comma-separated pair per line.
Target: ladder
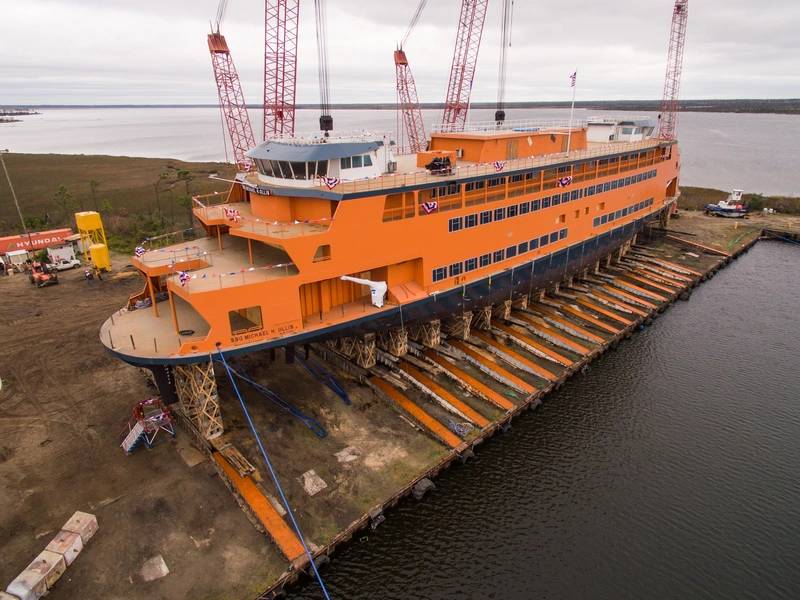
x,y
135,435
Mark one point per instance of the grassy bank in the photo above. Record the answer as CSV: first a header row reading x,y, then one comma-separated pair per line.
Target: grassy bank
x,y
138,197
695,198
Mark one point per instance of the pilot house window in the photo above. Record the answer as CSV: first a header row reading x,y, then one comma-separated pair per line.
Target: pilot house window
x,y
245,320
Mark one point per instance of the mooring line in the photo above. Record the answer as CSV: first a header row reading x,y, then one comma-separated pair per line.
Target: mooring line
x,y
274,475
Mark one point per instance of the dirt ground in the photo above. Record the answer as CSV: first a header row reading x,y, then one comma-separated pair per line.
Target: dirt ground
x,y
63,404
728,234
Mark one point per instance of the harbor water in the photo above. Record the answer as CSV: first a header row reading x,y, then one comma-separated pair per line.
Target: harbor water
x,y
668,470
755,152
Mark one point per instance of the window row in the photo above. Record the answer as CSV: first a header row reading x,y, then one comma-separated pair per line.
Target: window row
x,y
484,260
622,212
523,208
283,169
355,162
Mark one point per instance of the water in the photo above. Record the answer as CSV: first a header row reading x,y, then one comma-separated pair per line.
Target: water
x,y
758,153
669,470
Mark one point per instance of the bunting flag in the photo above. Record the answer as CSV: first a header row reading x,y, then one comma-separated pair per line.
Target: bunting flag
x,y
232,214
499,165
183,277
139,251
330,182
564,181
430,207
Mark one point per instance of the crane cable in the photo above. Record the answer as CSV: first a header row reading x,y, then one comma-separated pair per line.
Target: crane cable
x,y
505,43
414,20
221,7
322,58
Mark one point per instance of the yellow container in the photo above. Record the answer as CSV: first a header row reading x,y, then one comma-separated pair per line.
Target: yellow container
x,y
88,220
100,257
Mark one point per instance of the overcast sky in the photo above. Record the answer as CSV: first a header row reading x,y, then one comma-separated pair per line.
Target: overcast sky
x,y
154,51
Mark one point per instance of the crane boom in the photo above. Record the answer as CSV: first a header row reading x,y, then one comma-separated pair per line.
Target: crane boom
x,y
231,100
672,81
465,58
281,18
409,103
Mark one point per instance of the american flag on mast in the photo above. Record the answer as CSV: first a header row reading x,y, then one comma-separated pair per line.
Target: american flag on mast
x,y
499,165
573,79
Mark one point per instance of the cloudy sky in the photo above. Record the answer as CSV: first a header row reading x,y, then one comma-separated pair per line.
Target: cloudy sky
x,y
154,51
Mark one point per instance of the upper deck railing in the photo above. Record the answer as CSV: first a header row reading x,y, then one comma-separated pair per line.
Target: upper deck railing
x,y
400,180
510,126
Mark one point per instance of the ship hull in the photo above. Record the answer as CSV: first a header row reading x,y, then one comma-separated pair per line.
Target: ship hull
x,y
540,273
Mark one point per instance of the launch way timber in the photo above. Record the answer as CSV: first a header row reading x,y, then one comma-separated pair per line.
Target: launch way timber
x,y
514,212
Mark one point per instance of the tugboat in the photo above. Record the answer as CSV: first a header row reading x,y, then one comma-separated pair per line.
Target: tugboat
x,y
732,207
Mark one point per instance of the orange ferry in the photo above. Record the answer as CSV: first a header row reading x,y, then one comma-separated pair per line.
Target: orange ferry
x,y
345,236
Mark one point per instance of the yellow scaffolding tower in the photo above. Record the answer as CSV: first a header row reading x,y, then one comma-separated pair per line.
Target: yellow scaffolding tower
x,y
93,238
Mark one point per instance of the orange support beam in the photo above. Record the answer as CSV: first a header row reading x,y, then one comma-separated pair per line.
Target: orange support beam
x,y
630,297
537,370
472,415
634,309
492,365
545,310
589,318
550,331
655,284
447,437
277,528
559,358
641,291
483,389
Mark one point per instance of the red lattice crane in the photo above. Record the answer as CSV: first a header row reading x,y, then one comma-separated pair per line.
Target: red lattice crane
x,y
407,99
465,58
281,18
672,81
231,100
409,103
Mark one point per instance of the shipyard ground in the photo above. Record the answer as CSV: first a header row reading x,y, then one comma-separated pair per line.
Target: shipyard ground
x,y
64,402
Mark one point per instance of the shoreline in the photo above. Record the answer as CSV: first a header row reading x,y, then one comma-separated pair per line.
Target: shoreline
x,y
777,106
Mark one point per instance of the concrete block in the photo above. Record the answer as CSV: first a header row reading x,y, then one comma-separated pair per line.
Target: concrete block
x,y
68,544
50,564
83,524
31,584
313,483
154,568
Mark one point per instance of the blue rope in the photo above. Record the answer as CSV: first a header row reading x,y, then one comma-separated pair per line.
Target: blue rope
x,y
274,476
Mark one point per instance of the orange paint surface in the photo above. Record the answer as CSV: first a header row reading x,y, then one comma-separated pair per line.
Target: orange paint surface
x,y
605,311
545,310
544,326
277,528
492,366
583,315
559,358
540,371
423,418
483,389
472,415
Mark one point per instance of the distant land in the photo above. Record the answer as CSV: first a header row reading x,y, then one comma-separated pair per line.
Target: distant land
x,y
786,106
